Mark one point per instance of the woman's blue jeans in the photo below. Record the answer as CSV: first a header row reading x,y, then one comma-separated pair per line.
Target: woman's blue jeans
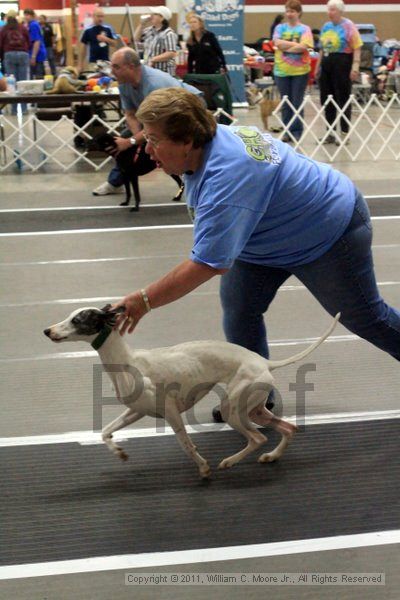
x,y
17,63
342,280
294,88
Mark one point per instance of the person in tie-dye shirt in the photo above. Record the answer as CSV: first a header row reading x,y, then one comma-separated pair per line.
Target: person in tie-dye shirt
x,y
339,67
292,40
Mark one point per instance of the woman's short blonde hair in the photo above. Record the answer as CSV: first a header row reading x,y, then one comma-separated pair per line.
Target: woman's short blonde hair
x,y
339,4
181,114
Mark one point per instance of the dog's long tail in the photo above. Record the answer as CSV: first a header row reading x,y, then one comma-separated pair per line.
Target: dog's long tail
x,y
275,364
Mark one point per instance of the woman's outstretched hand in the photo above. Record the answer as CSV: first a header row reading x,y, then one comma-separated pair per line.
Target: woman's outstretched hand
x,y
135,309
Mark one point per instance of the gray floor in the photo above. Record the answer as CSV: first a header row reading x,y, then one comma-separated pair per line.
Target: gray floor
x,y
47,271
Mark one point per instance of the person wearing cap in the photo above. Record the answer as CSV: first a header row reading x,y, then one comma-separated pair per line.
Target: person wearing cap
x,y
159,40
98,38
37,50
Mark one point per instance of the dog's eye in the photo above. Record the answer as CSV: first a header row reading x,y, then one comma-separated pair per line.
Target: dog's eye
x,y
75,321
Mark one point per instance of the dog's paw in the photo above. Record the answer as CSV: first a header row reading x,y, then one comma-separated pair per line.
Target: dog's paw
x,y
134,209
122,454
205,471
227,463
124,203
267,457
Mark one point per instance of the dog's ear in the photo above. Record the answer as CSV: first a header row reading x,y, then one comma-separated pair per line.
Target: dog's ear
x,y
110,314
113,311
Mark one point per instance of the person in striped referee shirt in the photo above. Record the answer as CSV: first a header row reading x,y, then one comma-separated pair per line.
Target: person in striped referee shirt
x,y
159,40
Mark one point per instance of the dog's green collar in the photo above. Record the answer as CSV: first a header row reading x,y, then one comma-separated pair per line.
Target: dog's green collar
x,y
101,338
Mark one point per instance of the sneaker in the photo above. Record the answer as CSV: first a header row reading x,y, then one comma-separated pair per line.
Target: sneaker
x,y
106,188
327,139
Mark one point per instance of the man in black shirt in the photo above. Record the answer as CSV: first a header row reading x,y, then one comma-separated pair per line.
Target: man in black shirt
x,y
98,37
49,42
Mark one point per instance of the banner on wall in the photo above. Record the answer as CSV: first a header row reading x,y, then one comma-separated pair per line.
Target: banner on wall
x,y
226,20
85,16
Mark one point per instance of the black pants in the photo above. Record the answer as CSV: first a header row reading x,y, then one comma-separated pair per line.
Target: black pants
x,y
335,80
37,71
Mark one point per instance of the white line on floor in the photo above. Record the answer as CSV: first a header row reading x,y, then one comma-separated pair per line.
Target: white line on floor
x,y
386,218
382,196
200,555
120,229
86,438
87,301
74,208
113,206
98,260
291,288
94,299
128,258
86,231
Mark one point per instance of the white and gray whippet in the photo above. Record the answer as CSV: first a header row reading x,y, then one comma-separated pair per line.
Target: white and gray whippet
x,y
165,382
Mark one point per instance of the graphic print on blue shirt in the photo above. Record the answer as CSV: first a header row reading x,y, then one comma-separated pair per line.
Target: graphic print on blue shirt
x,y
258,146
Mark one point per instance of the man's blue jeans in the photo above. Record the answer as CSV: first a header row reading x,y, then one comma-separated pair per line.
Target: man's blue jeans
x,y
293,87
115,177
342,280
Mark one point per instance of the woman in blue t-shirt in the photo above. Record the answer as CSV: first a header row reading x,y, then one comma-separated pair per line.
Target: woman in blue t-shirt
x,y
262,212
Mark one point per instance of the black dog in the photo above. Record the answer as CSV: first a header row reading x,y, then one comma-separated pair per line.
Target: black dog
x,y
132,163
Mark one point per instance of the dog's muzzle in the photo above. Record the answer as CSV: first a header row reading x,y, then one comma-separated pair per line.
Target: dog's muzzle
x,y
48,333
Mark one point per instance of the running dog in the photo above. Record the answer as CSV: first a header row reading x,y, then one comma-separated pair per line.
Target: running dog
x,y
132,163
165,382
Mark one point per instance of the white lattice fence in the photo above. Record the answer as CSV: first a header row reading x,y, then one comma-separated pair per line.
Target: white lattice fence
x,y
35,143
373,131
373,134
